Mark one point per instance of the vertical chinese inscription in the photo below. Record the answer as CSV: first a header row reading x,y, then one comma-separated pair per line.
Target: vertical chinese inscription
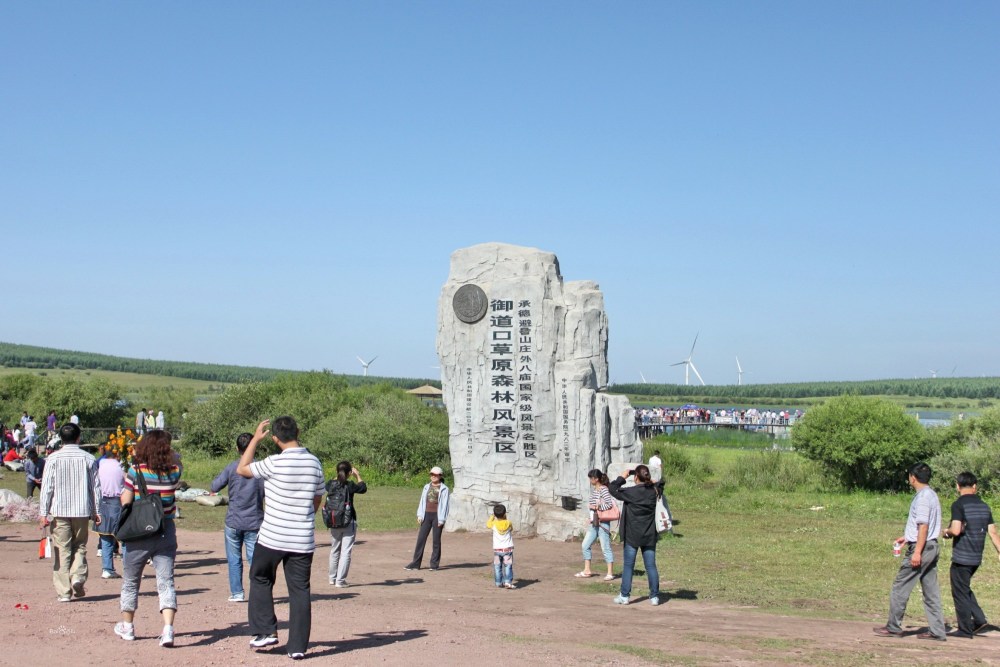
x,y
564,400
468,410
502,356
526,379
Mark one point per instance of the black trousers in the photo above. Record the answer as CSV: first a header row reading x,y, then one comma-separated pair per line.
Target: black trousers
x,y
970,614
428,526
263,572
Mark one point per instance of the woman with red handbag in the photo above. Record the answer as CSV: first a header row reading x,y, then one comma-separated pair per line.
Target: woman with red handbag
x,y
603,510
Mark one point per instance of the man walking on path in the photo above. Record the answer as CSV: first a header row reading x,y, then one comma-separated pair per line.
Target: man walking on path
x,y
971,522
923,528
293,486
71,495
243,517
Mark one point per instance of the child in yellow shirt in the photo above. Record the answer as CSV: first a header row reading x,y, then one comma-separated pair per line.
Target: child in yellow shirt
x,y
503,547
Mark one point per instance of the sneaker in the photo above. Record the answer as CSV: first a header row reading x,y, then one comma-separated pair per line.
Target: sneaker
x,y
341,584
655,601
167,638
296,656
98,553
237,597
410,568
509,585
63,598
433,569
110,574
126,632
78,589
260,641
621,599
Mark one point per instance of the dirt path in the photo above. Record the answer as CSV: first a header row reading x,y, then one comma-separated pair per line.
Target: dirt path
x,y
451,617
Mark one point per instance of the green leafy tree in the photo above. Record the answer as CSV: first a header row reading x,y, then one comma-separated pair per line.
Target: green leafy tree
x,y
865,442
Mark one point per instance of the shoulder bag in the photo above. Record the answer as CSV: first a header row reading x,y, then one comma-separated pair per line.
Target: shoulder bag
x,y
143,517
610,514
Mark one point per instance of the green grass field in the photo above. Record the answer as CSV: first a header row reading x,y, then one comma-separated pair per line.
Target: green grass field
x,y
822,554
132,382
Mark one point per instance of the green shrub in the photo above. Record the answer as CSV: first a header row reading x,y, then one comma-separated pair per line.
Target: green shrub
x,y
376,427
864,442
971,445
680,464
774,471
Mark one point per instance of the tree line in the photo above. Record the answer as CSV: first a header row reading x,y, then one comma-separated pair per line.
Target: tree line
x,y
30,357
971,388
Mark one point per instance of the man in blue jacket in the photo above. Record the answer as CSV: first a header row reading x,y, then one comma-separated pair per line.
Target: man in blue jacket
x,y
243,518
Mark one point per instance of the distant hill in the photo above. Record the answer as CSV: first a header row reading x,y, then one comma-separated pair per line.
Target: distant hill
x,y
30,357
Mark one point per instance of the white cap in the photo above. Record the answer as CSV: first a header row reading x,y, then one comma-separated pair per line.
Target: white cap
x,y
437,471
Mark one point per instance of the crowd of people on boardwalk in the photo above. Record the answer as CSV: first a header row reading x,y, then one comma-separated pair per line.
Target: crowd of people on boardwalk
x,y
653,421
77,489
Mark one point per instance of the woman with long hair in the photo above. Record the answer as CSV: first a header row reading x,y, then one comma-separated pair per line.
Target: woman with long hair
x,y
160,468
637,528
342,537
600,499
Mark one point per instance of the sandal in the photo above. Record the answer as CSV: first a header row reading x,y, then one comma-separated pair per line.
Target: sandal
x,y
583,575
609,577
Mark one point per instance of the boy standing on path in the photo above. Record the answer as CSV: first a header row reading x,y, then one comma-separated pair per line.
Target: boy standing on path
x,y
71,494
971,522
293,486
923,527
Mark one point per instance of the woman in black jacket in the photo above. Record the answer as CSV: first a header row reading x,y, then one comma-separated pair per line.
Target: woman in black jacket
x,y
637,527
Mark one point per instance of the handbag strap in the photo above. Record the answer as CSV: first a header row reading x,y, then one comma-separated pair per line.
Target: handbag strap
x,y
140,479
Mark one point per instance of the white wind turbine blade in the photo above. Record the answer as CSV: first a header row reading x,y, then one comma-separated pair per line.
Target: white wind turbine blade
x,y
643,377
695,369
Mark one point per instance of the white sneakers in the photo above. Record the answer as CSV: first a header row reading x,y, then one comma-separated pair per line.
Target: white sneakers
x,y
110,574
167,638
238,597
259,641
125,631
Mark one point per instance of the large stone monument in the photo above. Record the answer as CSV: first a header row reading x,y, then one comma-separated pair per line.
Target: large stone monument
x,y
524,367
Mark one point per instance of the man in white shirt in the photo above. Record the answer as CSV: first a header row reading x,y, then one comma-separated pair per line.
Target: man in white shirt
x,y
71,495
293,489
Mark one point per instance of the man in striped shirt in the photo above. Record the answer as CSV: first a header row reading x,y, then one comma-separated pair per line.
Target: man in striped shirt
x,y
71,496
293,490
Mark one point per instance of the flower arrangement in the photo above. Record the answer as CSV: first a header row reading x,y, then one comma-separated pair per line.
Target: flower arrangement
x,y
120,446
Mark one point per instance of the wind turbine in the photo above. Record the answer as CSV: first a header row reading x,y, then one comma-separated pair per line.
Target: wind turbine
x,y
933,373
643,377
366,364
739,371
689,364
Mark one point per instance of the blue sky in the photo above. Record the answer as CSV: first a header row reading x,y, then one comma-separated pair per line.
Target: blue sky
x,y
813,187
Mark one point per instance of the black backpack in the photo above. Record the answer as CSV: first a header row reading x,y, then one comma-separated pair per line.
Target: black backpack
x,y
337,509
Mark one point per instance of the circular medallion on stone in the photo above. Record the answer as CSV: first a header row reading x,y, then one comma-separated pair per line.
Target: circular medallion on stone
x,y
470,303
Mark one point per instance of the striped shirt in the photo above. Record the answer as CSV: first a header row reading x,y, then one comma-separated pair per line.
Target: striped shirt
x,y
976,519
69,486
292,480
163,484
600,498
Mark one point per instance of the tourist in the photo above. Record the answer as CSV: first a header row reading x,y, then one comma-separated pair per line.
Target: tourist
x,y
150,419
638,530
33,469
109,472
50,424
432,512
71,496
74,420
161,473
30,428
971,522
293,486
600,499
243,517
140,421
503,547
343,522
923,528
161,421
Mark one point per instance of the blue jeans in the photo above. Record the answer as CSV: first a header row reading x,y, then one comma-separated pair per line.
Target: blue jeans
x,y
111,509
649,559
503,567
235,541
604,532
